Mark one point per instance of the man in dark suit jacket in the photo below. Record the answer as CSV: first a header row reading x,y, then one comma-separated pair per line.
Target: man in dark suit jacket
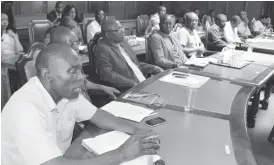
x,y
56,15
116,62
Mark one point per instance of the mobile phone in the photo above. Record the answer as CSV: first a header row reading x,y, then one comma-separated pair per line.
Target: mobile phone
x,y
155,121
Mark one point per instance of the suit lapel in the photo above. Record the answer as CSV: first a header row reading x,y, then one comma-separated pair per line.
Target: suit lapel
x,y
170,51
118,53
129,52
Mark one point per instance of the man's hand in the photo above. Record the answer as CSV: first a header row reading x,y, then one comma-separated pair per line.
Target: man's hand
x,y
137,146
158,69
110,91
200,50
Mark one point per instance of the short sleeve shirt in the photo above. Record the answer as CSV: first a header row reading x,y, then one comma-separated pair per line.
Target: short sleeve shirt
x,y
189,39
36,129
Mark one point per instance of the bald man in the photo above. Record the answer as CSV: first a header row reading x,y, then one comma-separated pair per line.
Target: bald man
x,y
67,36
41,116
216,38
243,29
116,62
166,49
189,37
231,30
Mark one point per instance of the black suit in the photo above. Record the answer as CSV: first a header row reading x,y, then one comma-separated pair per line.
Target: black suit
x,y
52,16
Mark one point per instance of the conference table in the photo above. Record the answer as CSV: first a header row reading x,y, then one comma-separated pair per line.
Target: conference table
x,y
217,120
264,44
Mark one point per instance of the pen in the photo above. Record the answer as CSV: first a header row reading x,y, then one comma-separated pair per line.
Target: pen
x,y
177,76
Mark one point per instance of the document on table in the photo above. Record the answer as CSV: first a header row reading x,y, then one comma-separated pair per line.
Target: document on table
x,y
200,62
111,141
254,40
127,111
191,81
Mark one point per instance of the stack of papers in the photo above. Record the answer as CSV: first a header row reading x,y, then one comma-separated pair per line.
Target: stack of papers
x,y
200,62
191,81
127,111
111,141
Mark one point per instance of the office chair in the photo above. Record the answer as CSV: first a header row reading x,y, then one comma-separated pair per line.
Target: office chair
x,y
37,29
142,23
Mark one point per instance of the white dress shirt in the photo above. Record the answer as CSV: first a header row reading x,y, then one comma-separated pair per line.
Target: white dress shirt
x,y
230,33
35,129
7,45
132,65
188,38
93,28
258,26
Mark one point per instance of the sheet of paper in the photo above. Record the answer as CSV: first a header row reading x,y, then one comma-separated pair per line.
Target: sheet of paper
x,y
127,111
192,81
254,40
105,142
202,62
111,141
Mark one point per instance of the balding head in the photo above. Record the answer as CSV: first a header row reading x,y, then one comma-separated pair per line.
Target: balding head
x,y
221,20
166,23
63,35
191,19
235,21
112,30
59,69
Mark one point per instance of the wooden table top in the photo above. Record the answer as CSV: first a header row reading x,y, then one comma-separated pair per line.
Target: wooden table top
x,y
198,136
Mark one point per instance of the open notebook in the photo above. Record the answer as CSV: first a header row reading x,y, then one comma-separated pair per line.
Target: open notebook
x,y
111,141
127,111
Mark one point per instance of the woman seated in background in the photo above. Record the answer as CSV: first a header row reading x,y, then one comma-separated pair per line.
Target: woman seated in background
x,y
70,10
10,44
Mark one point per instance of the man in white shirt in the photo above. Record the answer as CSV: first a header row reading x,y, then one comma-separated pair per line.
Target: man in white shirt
x,y
260,26
231,31
95,26
243,29
39,118
189,37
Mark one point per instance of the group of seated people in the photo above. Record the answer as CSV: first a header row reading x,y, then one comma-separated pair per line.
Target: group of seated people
x,y
41,115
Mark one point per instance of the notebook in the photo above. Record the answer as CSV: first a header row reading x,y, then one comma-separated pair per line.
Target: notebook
x,y
199,62
111,141
127,111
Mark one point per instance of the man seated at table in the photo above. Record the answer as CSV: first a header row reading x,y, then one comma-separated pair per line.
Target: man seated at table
x,y
56,15
95,26
67,36
116,62
231,30
189,37
243,29
166,49
216,38
260,26
40,116
155,19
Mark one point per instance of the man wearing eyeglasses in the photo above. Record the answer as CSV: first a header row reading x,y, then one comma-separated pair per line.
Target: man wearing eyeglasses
x,y
116,62
166,50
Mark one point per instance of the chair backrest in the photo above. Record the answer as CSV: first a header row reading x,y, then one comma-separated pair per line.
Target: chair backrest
x,y
91,48
84,25
142,23
25,65
37,30
149,56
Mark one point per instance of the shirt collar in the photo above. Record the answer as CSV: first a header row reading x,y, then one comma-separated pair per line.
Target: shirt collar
x,y
44,93
189,30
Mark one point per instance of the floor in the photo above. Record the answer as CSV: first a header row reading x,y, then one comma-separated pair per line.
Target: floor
x,y
263,150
